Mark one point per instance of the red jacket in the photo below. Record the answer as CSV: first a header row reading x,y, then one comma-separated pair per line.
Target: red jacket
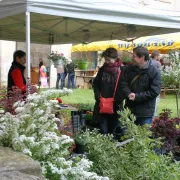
x,y
16,77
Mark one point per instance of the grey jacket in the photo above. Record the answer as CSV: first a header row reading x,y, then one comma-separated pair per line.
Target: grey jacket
x,y
156,64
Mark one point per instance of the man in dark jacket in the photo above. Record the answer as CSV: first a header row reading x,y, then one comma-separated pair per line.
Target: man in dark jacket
x,y
70,67
16,72
141,84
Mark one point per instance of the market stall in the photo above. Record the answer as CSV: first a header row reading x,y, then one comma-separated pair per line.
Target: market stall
x,y
58,22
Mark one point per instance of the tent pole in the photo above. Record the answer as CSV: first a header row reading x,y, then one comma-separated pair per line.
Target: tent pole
x,y
28,60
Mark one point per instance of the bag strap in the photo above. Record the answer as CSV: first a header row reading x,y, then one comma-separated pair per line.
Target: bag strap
x,y
135,78
117,81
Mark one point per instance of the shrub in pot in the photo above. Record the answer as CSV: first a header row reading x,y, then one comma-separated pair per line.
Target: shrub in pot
x,y
80,147
82,63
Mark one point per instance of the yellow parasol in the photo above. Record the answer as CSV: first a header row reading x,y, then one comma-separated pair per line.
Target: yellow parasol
x,y
163,43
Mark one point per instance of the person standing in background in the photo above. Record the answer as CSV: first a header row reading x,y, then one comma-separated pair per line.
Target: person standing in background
x,y
156,62
155,59
43,74
60,75
16,72
71,74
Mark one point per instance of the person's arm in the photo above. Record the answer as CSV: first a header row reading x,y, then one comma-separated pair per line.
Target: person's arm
x,y
153,92
97,85
18,79
124,84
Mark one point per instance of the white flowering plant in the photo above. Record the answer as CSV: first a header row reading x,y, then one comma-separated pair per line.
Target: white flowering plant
x,y
171,74
34,132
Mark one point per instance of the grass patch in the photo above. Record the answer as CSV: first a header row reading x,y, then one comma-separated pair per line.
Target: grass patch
x,y
87,97
80,96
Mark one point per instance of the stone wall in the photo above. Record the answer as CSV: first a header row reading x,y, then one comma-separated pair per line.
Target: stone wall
x,y
7,49
37,51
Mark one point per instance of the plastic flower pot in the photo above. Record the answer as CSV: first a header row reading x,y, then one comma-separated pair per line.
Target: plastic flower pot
x,y
80,149
83,65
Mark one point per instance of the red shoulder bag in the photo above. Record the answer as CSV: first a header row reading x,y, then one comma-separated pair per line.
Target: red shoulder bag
x,y
106,105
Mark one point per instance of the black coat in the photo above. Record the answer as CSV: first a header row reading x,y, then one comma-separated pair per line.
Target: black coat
x,y
106,89
70,68
146,88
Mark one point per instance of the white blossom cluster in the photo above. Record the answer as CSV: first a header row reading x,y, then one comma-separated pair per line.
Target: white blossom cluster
x,y
33,131
171,76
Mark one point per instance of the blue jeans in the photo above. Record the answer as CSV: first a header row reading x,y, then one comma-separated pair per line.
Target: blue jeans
x,y
60,76
71,77
143,120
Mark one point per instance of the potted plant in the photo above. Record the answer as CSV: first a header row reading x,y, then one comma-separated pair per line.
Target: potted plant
x,y
88,117
80,145
57,59
169,130
82,63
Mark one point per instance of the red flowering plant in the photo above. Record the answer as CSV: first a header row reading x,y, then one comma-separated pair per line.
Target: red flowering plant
x,y
168,129
7,100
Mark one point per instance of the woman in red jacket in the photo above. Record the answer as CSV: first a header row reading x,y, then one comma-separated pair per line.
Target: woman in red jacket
x,y
16,72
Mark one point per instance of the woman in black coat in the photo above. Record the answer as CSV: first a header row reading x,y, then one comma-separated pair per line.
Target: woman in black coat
x,y
104,85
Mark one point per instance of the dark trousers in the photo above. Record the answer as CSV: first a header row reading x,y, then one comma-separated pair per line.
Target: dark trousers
x,y
143,120
71,77
60,76
107,123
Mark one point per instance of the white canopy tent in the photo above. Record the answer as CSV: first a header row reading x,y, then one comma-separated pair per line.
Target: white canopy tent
x,y
77,21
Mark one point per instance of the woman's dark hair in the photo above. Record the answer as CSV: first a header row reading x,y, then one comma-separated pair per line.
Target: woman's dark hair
x,y
18,54
40,64
142,51
110,52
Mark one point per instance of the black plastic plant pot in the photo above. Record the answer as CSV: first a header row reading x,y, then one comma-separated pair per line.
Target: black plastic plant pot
x,y
177,156
80,149
117,136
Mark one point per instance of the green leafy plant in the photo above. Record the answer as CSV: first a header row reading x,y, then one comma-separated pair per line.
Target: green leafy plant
x,y
171,74
134,160
78,138
89,116
126,59
80,60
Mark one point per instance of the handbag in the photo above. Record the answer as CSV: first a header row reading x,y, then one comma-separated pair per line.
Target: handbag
x,y
106,105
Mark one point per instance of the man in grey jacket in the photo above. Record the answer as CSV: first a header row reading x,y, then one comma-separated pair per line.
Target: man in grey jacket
x,y
155,59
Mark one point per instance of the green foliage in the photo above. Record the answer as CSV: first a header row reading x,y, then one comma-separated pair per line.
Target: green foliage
x,y
127,59
80,60
134,161
78,138
171,74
